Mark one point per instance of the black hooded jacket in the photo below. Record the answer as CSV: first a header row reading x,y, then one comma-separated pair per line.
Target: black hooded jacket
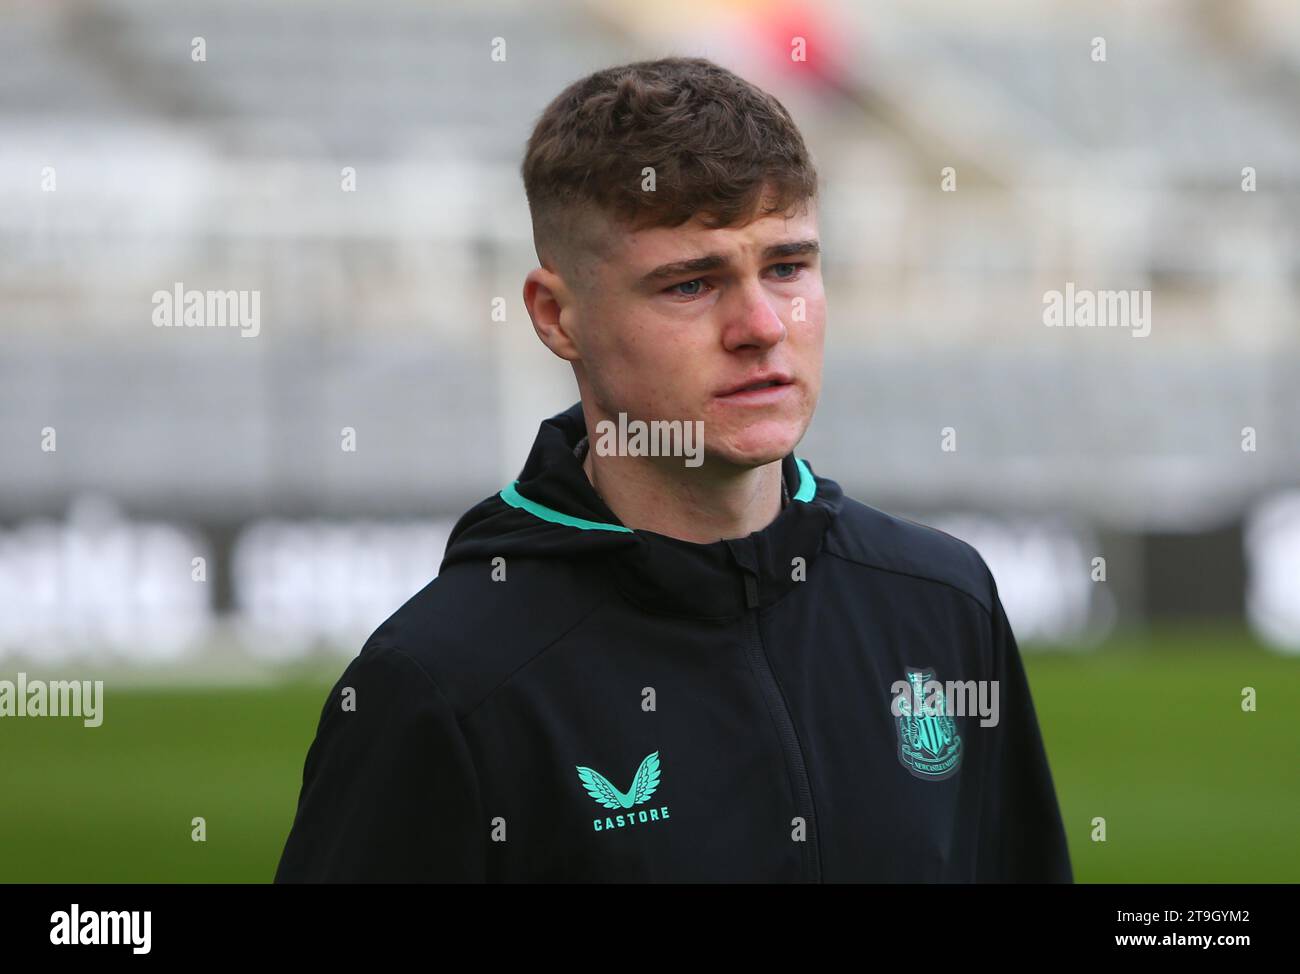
x,y
571,700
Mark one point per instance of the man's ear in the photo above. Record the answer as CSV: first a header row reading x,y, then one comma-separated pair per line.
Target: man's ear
x,y
551,307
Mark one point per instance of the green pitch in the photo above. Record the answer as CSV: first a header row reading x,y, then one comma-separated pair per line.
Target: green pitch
x,y
1149,736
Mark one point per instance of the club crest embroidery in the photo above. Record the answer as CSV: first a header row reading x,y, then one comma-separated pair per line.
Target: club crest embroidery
x,y
928,743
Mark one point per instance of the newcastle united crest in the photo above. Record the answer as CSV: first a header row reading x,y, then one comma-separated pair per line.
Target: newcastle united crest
x,y
928,743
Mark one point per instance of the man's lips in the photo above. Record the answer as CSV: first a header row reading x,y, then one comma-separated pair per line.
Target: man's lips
x,y
764,381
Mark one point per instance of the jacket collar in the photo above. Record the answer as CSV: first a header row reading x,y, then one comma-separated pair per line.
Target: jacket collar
x,y
666,575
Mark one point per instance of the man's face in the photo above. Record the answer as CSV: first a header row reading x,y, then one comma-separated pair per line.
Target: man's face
x,y
673,320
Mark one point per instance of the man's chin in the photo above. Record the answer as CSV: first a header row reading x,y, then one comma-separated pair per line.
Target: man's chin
x,y
753,450
756,436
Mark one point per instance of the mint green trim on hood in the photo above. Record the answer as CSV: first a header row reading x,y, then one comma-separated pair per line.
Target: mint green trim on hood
x,y
516,499
807,490
807,484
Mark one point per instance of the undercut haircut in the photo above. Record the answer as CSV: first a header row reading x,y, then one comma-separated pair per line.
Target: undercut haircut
x,y
719,147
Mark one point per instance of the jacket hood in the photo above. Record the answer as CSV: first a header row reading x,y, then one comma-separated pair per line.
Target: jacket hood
x,y
551,511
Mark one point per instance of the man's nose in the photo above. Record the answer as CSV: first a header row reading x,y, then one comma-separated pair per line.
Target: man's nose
x,y
754,320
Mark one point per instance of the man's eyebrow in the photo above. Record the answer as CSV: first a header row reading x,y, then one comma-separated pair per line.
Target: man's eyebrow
x,y
713,262
792,249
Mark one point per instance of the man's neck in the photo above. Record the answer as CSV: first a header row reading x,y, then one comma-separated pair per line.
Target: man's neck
x,y
651,494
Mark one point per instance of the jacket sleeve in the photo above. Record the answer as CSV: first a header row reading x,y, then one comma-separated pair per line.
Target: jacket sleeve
x,y
389,790
1022,838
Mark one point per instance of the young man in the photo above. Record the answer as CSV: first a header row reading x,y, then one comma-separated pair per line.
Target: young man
x,y
644,660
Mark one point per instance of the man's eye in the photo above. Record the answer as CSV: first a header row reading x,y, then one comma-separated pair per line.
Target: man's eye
x,y
696,287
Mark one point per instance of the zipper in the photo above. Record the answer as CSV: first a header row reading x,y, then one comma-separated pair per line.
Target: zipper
x,y
776,704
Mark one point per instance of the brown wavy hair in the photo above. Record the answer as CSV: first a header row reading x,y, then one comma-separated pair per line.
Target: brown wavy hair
x,y
720,147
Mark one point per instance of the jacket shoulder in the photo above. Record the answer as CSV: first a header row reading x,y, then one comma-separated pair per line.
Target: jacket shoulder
x,y
875,539
470,630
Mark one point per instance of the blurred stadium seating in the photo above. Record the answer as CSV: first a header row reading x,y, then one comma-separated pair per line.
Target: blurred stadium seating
x,y
225,173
